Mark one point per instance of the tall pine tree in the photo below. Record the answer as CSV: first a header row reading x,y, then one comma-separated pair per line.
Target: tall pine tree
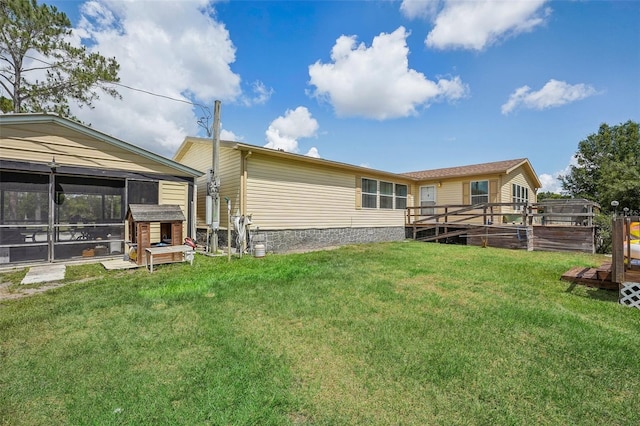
x,y
40,70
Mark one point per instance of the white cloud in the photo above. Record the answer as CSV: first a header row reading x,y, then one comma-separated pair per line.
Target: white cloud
x,y
551,182
376,81
227,135
555,93
476,24
261,94
283,132
313,152
165,48
419,8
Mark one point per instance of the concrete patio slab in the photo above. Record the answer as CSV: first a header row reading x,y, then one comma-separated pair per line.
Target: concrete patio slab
x,y
115,264
41,274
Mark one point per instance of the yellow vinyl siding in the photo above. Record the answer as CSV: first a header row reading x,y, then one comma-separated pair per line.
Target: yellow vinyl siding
x,y
457,191
447,191
34,144
451,192
285,195
518,177
230,171
174,193
199,158
171,193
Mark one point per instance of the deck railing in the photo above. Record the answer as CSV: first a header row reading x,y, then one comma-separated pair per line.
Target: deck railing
x,y
550,212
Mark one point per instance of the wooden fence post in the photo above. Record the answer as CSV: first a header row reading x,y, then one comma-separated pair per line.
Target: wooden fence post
x,y
617,249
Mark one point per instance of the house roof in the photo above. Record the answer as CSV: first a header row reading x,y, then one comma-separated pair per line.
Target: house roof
x,y
496,167
34,119
155,213
364,171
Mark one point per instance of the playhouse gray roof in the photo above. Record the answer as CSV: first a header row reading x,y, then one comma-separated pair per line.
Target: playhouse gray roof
x,y
155,213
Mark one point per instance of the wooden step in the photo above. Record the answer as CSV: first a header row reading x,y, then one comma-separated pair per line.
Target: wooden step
x,y
604,272
590,277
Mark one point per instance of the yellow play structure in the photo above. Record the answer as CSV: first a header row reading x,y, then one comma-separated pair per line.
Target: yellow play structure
x,y
632,241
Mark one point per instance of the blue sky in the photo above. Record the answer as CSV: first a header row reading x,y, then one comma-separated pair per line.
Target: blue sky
x,y
392,85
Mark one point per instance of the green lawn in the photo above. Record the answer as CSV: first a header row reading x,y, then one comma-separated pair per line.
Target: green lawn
x,y
402,333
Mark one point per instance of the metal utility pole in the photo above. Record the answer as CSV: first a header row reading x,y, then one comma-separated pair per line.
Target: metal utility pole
x,y
213,185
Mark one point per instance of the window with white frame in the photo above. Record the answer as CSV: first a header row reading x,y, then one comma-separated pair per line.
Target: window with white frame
x,y
369,193
479,191
519,196
401,196
386,195
383,195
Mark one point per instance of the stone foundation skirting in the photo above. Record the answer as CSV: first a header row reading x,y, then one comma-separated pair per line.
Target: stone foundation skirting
x,y
290,240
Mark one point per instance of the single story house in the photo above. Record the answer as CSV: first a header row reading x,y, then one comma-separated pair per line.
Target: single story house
x,y
298,202
65,188
510,181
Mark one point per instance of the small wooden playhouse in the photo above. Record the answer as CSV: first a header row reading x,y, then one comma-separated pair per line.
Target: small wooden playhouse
x,y
152,224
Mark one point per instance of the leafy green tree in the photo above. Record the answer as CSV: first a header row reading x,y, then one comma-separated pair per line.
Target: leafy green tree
x,y
608,167
548,195
40,70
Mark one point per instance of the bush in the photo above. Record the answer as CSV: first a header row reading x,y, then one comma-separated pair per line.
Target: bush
x,y
603,233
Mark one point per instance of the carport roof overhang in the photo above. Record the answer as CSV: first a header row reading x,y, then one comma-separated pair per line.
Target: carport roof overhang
x,y
49,118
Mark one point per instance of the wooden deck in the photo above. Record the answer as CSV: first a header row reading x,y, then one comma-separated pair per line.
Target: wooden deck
x,y
512,236
591,277
507,225
621,274
598,277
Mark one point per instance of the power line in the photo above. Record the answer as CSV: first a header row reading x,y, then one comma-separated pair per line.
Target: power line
x,y
129,87
157,94
202,121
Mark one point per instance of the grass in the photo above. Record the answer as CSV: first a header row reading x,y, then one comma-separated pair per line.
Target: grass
x,y
399,333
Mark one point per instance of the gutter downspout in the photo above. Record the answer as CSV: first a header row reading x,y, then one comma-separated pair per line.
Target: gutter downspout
x,y
245,179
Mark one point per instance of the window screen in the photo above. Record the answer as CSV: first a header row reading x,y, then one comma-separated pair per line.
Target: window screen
x,y
142,192
24,198
85,200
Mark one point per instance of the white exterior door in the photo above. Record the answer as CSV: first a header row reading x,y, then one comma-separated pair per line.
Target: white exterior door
x,y
427,199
